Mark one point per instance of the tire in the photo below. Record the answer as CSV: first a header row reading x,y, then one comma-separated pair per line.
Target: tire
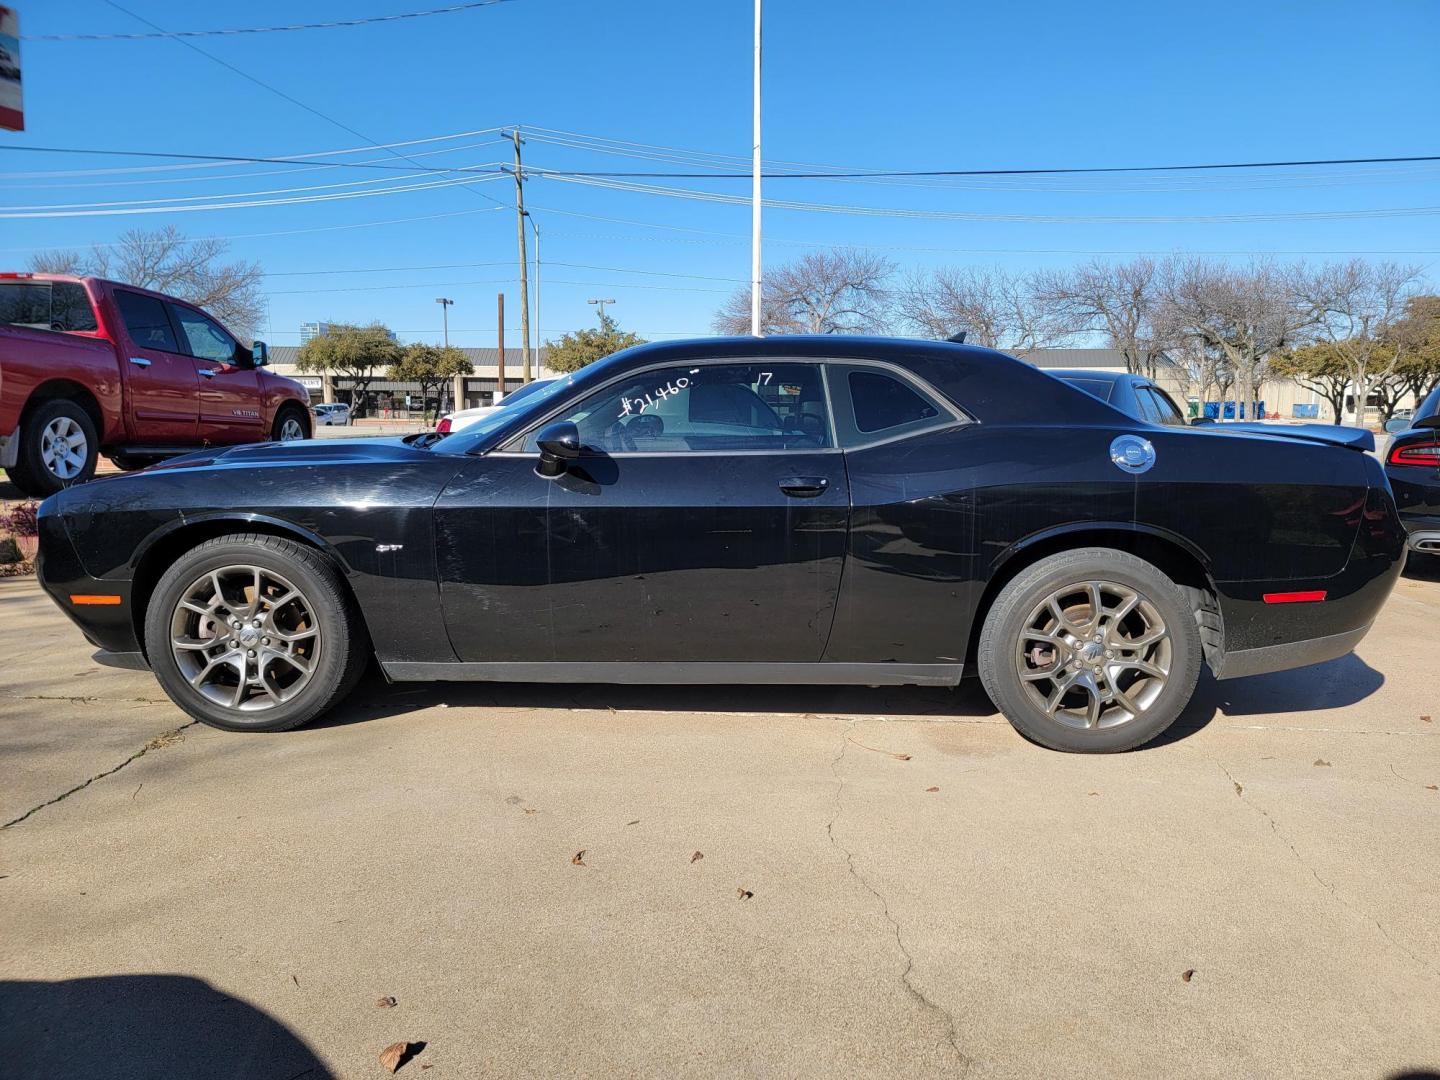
x,y
320,628
289,419
58,448
1024,633
133,462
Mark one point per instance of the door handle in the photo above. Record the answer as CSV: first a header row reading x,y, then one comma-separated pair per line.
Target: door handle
x,y
804,487
209,373
139,361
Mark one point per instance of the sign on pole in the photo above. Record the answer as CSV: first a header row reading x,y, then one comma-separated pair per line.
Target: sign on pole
x,y
11,114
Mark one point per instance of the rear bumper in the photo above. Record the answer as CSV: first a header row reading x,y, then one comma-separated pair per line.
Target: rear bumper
x,y
1295,654
129,661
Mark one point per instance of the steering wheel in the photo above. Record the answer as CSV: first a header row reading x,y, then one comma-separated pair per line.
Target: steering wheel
x,y
618,438
645,426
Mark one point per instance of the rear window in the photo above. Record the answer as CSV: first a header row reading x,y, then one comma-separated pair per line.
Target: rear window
x,y
1094,387
46,305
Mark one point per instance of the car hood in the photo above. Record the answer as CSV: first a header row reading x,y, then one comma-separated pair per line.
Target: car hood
x,y
300,452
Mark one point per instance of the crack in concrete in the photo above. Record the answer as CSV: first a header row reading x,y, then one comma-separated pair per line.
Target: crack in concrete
x,y
1327,886
918,995
161,740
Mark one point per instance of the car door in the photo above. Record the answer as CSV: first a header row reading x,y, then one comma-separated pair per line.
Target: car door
x,y
229,409
161,384
704,521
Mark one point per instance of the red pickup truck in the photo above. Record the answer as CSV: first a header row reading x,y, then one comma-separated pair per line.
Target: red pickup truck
x,y
89,366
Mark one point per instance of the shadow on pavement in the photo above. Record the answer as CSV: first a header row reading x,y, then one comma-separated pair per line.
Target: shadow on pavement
x,y
1335,684
1420,567
142,1026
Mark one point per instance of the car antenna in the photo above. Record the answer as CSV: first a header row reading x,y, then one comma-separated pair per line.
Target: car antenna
x,y
958,338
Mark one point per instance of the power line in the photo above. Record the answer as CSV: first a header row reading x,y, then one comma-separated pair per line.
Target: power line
x,y
467,266
279,93
289,232
337,24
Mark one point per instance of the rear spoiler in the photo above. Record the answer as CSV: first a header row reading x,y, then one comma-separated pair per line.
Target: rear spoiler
x,y
1351,438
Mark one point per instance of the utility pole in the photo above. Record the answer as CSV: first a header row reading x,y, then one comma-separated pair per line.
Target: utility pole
x,y
755,297
524,284
601,305
500,379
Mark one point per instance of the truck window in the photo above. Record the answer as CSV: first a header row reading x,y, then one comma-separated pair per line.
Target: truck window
x,y
46,305
146,321
206,339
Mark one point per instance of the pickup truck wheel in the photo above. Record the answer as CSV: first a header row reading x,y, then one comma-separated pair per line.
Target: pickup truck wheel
x,y
290,424
58,448
1090,651
254,633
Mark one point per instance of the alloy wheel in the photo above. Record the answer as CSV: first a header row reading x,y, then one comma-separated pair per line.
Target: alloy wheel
x,y
1094,654
63,448
245,638
291,430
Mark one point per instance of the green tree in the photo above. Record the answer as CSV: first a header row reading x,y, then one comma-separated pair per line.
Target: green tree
x,y
1417,337
1319,367
575,350
432,366
358,353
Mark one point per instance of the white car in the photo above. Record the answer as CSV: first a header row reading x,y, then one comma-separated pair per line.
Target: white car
x,y
464,418
329,415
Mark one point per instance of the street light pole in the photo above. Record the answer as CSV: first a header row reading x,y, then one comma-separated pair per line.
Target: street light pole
x,y
536,230
444,302
755,317
601,304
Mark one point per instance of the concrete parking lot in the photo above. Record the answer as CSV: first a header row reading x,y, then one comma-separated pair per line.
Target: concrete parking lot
x,y
603,881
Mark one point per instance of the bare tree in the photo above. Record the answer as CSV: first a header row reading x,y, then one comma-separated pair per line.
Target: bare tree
x,y
1247,314
994,307
1121,300
1417,338
1354,306
166,261
843,291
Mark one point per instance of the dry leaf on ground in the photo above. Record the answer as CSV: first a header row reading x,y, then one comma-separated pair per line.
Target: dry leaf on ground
x,y
697,856
1188,974
386,1003
395,1055
744,893
579,857
1319,762
932,789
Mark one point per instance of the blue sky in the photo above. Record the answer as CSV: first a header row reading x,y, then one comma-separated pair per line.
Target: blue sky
x,y
902,84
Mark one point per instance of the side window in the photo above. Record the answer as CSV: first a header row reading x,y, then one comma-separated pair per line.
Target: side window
x,y
871,404
25,305
1145,405
146,321
204,336
774,406
1170,413
70,307
882,401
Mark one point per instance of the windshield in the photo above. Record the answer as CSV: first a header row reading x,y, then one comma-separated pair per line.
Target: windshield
x,y
534,399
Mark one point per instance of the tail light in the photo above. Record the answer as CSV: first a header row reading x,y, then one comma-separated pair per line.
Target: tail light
x,y
1416,454
443,427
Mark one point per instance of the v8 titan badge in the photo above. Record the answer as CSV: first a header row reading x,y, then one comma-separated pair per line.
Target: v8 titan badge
x,y
1132,454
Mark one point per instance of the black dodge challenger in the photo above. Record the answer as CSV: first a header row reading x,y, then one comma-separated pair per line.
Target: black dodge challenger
x,y
779,510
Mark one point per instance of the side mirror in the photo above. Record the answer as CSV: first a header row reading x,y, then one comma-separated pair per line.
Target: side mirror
x,y
1394,427
1432,422
259,354
1200,421
559,445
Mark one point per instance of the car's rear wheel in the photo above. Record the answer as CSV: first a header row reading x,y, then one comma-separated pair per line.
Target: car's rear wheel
x,y
58,448
1090,651
254,633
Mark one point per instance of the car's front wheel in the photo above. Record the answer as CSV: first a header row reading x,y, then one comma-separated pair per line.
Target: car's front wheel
x,y
291,423
1090,651
254,633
